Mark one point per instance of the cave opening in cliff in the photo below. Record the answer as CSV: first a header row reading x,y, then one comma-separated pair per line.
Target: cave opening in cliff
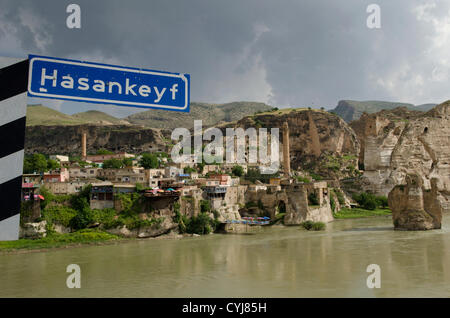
x,y
281,207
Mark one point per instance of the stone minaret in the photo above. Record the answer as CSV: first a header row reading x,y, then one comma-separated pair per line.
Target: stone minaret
x,y
286,157
83,145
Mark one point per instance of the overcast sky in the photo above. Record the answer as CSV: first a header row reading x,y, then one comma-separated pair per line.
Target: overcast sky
x,y
285,53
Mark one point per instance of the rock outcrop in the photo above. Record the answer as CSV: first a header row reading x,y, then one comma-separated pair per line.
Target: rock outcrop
x,y
414,207
153,230
319,141
33,230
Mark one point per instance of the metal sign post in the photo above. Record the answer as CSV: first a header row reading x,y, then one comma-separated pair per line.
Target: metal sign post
x,y
13,108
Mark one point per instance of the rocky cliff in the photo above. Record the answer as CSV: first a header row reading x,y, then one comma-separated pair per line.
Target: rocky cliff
x,y
399,143
67,139
378,135
319,141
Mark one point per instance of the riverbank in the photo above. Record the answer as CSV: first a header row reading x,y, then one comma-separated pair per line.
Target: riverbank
x,y
55,240
98,237
81,238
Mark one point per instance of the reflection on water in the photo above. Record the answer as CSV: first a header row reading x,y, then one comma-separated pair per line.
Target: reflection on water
x,y
278,262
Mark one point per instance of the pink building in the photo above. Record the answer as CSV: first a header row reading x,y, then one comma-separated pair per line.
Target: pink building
x,y
57,176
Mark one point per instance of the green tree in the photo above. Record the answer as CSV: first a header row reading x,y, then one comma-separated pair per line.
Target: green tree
x,y
205,206
313,198
48,197
149,161
238,171
254,174
367,201
127,162
35,163
382,201
112,164
53,164
104,152
27,165
189,170
200,166
200,224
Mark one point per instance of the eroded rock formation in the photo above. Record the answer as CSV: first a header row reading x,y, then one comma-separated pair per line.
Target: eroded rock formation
x,y
400,142
315,136
414,206
406,154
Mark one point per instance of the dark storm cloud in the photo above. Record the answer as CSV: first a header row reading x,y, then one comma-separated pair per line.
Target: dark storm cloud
x,y
283,52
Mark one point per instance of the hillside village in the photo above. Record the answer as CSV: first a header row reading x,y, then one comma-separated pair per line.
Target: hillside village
x,y
231,194
327,166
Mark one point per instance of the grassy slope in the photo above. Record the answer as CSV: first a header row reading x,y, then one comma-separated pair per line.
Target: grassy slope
x,y
59,240
354,213
375,106
97,116
41,115
372,107
210,114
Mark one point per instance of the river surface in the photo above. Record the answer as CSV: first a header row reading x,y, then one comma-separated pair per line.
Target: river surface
x,y
277,262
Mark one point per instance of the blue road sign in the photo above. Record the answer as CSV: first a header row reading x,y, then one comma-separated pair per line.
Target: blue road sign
x,y
107,84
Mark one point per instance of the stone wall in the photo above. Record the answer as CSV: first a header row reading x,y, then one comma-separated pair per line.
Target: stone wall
x,y
294,198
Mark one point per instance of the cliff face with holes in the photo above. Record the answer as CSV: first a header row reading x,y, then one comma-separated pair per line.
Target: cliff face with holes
x,y
67,139
378,135
424,149
401,143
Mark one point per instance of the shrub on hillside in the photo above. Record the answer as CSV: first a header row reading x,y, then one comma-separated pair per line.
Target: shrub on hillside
x,y
367,201
382,201
313,199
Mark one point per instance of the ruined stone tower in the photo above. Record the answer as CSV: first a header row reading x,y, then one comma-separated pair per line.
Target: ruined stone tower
x,y
83,145
286,157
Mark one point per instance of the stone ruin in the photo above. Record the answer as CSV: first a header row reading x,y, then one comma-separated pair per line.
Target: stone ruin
x,y
415,206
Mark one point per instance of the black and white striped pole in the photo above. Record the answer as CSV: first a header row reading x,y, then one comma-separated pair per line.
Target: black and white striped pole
x,y
13,107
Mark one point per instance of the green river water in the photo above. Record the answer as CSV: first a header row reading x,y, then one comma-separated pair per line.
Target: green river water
x,y
277,262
